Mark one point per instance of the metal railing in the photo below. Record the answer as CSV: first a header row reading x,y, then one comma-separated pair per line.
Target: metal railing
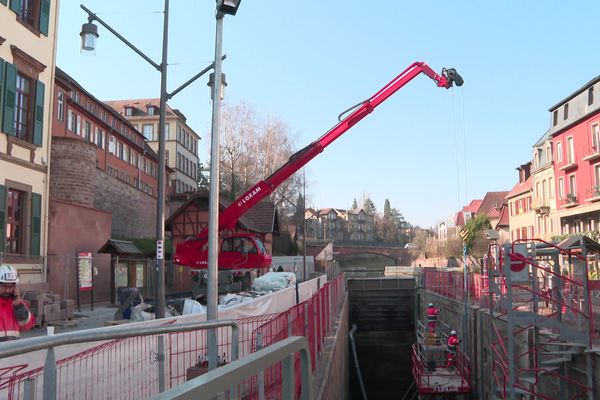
x,y
220,380
126,367
49,343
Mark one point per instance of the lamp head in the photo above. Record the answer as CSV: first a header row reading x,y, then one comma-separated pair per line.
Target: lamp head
x,y
228,6
89,34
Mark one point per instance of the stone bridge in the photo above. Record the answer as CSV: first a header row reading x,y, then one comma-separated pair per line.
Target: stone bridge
x,y
397,255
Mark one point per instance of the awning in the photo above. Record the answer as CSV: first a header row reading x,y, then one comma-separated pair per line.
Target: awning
x,y
120,247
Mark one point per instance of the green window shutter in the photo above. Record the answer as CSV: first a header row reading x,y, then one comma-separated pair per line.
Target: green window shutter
x,y
2,218
10,98
2,62
38,119
44,16
15,5
36,224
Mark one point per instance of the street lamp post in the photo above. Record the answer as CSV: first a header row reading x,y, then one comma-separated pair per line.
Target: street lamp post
x,y
89,35
223,7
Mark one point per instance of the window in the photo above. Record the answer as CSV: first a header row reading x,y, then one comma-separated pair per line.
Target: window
x,y
572,188
566,111
112,146
128,111
151,110
87,131
570,151
561,188
78,127
99,138
559,153
167,131
15,221
555,118
551,187
596,137
126,153
70,119
148,131
22,107
590,96
35,13
60,108
120,150
597,176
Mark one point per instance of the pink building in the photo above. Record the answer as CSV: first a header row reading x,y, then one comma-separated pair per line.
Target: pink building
x,y
575,132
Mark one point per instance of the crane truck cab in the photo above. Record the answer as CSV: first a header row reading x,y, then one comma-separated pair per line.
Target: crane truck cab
x,y
242,257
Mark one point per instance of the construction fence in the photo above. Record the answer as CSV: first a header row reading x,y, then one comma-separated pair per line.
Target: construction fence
x,y
128,368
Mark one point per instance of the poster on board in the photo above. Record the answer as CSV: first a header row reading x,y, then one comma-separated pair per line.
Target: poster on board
x,y
84,270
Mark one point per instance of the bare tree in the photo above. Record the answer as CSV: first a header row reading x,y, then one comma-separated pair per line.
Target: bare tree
x,y
251,150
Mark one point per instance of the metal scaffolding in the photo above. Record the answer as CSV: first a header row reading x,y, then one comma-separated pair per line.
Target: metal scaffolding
x,y
541,318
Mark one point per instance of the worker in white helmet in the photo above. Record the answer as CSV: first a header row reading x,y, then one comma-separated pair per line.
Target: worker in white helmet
x,y
453,342
14,314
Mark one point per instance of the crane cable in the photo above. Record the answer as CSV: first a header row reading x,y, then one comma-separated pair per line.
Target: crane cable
x,y
464,123
456,150
456,147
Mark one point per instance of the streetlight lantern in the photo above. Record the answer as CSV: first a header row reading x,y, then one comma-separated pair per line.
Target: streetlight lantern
x,y
89,34
211,82
228,6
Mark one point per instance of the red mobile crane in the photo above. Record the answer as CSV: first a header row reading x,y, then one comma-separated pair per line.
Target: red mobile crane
x,y
243,252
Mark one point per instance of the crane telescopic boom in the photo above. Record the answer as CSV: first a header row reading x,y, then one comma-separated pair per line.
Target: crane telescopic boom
x,y
189,253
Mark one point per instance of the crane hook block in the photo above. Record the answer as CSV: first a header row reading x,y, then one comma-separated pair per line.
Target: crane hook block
x,y
454,77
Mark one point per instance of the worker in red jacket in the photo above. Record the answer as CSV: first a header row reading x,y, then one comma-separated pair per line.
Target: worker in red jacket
x,y
14,314
453,341
432,314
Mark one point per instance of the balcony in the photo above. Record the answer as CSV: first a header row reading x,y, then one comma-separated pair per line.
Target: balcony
x,y
568,164
541,206
593,194
592,154
569,201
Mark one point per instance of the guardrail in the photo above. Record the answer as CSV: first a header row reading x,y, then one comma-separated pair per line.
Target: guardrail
x,y
49,343
126,367
220,380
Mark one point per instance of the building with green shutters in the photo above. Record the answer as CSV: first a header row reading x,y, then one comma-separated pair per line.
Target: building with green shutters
x,y
27,59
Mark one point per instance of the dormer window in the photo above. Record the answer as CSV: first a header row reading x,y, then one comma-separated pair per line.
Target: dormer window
x,y
128,111
566,111
151,110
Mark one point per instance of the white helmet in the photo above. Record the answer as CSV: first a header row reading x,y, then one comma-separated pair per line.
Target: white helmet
x,y
430,305
453,333
8,274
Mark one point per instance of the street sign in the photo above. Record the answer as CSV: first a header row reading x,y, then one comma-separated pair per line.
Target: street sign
x,y
159,249
464,232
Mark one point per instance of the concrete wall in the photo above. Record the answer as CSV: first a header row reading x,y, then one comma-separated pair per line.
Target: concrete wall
x,y
333,383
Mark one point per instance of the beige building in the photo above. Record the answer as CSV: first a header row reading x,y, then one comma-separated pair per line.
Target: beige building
x,y
181,142
543,190
27,60
519,201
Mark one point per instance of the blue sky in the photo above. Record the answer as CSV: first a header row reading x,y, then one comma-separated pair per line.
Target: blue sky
x,y
427,150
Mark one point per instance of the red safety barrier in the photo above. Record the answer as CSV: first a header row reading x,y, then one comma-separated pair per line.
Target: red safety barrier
x,y
312,319
127,368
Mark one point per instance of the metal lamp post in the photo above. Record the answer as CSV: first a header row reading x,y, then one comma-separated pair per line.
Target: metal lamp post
x,y
89,35
223,7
